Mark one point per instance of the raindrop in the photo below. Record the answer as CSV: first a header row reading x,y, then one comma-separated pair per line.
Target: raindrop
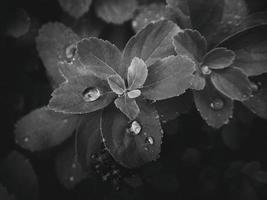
x,y
205,70
73,165
134,24
71,51
71,178
135,128
91,94
26,139
217,104
149,140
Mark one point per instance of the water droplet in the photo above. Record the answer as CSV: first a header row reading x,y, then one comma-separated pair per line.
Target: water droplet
x,y
73,165
205,70
135,128
217,104
149,140
91,94
254,87
134,24
146,149
26,139
71,178
71,51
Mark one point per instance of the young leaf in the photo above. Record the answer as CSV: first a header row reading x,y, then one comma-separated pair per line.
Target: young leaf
x,y
215,108
152,43
4,195
190,43
81,94
116,83
258,103
17,174
137,74
132,143
88,138
43,128
232,83
115,11
100,57
52,43
168,78
127,106
75,8
219,58
250,47
69,171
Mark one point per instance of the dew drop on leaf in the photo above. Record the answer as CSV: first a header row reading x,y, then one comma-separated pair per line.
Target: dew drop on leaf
x,y
135,128
91,94
71,178
254,87
149,140
26,139
217,104
71,51
73,165
205,70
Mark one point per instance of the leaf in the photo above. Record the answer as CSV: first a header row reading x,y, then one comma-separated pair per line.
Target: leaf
x,y
211,12
115,11
75,8
100,57
116,83
152,43
43,128
81,94
68,169
155,12
168,78
219,58
232,83
137,74
244,23
88,138
250,47
215,108
258,103
147,14
260,176
170,109
52,43
190,43
17,174
19,24
234,14
198,82
4,195
127,106
128,148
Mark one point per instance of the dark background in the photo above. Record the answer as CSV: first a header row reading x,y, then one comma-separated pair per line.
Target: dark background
x,y
196,158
